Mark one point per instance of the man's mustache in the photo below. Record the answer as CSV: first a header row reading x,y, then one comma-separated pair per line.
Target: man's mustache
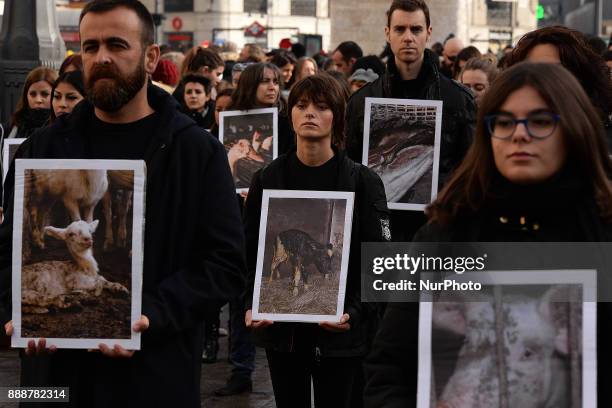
x,y
103,72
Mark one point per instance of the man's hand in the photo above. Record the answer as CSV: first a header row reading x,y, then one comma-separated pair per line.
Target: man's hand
x,y
255,324
119,352
32,349
340,327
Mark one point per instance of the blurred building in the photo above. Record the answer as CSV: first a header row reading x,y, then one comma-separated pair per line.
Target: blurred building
x,y
588,16
184,23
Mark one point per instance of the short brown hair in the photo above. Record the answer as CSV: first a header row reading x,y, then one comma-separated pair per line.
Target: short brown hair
x,y
323,88
409,6
581,129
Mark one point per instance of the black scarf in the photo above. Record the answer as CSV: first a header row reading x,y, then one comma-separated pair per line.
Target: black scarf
x,y
31,119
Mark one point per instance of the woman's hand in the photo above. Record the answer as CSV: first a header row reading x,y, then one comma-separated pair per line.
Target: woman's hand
x,y
340,327
33,348
255,324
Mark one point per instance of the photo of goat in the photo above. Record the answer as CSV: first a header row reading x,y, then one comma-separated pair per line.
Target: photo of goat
x,y
303,255
77,266
402,145
518,346
250,139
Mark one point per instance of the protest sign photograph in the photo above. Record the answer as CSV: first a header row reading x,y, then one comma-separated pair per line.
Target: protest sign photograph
x,y
519,343
401,143
304,242
251,141
77,252
9,148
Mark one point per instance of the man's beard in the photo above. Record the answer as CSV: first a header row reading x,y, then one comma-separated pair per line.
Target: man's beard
x,y
110,97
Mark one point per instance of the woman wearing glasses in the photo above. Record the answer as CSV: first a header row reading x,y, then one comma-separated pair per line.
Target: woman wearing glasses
x,y
538,171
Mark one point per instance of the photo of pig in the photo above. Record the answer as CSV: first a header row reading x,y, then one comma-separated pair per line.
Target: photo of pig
x,y
521,345
76,267
304,244
250,139
402,145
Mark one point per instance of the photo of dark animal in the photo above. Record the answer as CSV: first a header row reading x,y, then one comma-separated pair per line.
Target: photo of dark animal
x,y
301,250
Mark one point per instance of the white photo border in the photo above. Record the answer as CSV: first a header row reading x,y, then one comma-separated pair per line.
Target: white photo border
x,y
587,278
5,154
437,143
139,196
233,113
346,244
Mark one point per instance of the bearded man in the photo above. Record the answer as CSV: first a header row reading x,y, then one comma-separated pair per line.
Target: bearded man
x,y
193,242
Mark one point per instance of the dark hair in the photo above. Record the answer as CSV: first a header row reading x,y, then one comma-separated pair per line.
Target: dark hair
x,y
607,56
409,6
582,131
75,60
282,58
205,82
73,78
298,50
198,57
322,88
225,92
577,57
597,44
103,6
437,48
370,61
349,49
342,80
464,55
485,64
245,95
37,74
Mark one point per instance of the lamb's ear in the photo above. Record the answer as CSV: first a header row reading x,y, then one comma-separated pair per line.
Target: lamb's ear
x,y
93,225
59,233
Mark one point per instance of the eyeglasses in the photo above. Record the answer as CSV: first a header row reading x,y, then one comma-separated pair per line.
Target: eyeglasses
x,y
539,125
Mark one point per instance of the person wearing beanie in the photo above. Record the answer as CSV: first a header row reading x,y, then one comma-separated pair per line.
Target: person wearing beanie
x,y
361,77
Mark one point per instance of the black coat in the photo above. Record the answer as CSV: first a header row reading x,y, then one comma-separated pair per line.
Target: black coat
x,y
392,366
458,111
370,224
193,255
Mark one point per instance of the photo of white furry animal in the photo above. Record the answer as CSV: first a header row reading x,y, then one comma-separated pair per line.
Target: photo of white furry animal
x,y
303,255
512,345
402,145
250,139
77,259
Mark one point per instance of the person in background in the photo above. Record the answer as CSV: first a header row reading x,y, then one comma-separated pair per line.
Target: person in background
x,y
34,107
342,81
345,55
285,61
568,47
223,102
369,62
478,75
362,77
452,46
462,57
298,50
205,62
596,43
72,62
327,354
67,92
539,172
166,75
237,70
608,58
196,100
251,53
305,67
175,57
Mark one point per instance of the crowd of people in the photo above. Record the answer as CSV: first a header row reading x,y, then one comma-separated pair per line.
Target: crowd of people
x,y
526,135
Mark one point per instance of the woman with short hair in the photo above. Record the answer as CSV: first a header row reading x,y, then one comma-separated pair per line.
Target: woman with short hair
x,y
330,354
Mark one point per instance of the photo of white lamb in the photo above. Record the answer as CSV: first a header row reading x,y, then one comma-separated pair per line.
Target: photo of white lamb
x,y
51,283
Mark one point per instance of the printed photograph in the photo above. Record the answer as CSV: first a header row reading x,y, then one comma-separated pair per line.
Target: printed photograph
x,y
9,148
303,254
402,145
250,139
518,346
77,261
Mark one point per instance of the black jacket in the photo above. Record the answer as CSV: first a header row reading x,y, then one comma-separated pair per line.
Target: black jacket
x,y
392,366
370,223
205,120
458,111
193,255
